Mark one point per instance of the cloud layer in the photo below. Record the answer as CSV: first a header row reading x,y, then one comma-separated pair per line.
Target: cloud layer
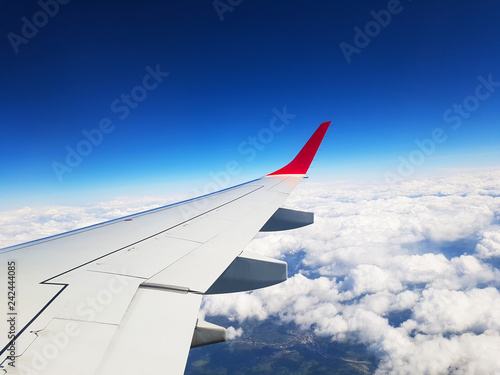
x,y
406,269
403,269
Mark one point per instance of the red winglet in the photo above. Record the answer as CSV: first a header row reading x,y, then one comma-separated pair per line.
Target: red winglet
x,y
303,160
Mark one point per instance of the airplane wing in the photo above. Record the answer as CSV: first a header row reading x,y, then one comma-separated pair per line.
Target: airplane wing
x,y
122,297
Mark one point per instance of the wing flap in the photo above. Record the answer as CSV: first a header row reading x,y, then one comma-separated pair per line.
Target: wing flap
x,y
95,296
58,347
152,334
155,334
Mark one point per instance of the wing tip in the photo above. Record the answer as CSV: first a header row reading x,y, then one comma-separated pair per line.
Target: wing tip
x,y
300,164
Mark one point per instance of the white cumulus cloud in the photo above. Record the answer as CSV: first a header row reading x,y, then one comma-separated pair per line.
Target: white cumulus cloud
x,y
232,333
489,245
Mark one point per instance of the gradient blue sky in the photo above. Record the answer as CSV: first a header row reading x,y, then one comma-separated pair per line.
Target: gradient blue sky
x,y
226,78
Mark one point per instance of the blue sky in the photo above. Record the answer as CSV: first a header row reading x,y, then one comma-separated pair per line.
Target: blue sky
x,y
232,75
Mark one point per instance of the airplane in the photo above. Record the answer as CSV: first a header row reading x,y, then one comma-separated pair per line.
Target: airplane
x,y
122,297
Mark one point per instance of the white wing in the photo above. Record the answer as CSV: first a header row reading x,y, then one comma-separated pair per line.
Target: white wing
x,y
122,297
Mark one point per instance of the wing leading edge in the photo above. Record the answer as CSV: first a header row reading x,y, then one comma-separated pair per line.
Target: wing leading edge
x,y
122,297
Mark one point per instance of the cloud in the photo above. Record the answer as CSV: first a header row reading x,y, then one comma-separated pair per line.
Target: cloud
x,y
367,278
413,250
424,354
232,333
449,311
489,245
